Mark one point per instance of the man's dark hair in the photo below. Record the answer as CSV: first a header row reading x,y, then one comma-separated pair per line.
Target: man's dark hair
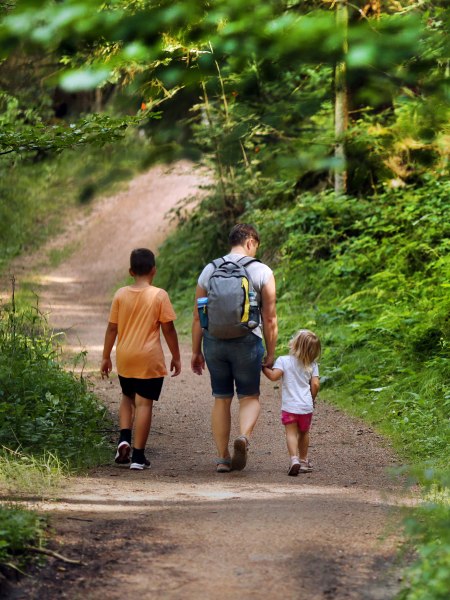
x,y
241,233
142,261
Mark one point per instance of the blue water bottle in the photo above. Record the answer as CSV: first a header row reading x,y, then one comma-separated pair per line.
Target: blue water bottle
x,y
253,315
202,305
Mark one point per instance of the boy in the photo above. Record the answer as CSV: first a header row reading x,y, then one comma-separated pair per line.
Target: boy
x,y
138,312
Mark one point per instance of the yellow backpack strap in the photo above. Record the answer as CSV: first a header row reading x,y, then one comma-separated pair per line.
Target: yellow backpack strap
x,y
246,301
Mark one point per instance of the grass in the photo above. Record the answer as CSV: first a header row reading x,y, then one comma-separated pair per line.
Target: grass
x,y
25,474
58,255
51,424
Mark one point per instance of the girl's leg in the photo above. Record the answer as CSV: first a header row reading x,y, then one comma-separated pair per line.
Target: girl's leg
x,y
303,444
292,440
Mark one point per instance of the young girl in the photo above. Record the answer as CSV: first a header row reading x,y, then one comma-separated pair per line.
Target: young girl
x,y
300,383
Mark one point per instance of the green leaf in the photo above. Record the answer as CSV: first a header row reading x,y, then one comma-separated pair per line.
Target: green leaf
x,y
84,79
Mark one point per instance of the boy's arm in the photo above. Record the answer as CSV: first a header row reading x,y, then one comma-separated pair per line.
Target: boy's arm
x,y
269,320
110,338
197,360
314,386
171,337
272,374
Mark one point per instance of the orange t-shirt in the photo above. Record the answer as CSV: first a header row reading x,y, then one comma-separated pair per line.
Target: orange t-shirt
x,y
138,314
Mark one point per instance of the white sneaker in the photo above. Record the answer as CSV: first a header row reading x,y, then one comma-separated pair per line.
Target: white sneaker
x,y
294,468
135,466
123,453
305,466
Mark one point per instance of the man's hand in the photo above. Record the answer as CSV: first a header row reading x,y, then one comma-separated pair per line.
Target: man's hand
x,y
175,367
105,367
198,363
268,361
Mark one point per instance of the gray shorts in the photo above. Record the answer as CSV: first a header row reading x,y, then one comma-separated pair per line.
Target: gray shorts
x,y
236,362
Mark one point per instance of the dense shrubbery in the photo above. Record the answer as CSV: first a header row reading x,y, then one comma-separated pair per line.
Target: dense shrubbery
x,y
429,530
45,409
372,277
50,423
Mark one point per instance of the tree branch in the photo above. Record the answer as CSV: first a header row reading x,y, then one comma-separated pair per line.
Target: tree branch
x,y
70,561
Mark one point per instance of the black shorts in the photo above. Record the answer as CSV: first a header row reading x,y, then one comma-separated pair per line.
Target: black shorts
x,y
147,388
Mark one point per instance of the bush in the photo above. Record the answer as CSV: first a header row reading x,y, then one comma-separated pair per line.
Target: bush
x,y
429,531
43,408
19,529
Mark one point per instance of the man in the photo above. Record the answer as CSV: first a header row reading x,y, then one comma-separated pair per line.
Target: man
x,y
237,361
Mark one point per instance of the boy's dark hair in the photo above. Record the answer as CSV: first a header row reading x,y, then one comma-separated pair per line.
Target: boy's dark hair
x,y
241,233
142,261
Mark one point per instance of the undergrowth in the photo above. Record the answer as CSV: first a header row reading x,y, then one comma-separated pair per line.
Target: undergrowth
x,y
51,424
44,408
19,530
35,476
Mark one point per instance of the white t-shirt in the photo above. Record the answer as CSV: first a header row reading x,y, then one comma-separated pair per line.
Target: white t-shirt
x,y
295,390
258,272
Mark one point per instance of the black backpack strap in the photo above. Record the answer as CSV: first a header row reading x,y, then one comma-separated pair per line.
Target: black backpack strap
x,y
216,264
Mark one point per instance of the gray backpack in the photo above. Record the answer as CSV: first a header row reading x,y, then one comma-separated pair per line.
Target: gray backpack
x,y
228,298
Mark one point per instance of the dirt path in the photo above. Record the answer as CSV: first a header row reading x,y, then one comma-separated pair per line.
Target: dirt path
x,y
180,530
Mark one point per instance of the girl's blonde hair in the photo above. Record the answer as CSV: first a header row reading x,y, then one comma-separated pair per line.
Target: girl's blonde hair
x,y
305,346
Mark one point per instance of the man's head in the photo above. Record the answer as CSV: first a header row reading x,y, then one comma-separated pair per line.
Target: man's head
x,y
142,261
246,237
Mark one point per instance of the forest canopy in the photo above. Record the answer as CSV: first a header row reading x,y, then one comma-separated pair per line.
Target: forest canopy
x,y
266,75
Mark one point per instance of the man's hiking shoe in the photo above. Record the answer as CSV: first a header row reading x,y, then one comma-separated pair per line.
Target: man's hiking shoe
x,y
305,466
138,466
239,458
123,454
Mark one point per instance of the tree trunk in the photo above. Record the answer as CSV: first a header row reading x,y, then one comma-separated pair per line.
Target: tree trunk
x,y
340,107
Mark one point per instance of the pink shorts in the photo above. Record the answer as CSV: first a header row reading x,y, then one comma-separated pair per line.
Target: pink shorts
x,y
303,421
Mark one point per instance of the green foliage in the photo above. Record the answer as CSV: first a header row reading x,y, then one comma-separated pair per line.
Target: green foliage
x,y
369,271
37,195
19,529
429,532
24,132
277,59
45,409
372,278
